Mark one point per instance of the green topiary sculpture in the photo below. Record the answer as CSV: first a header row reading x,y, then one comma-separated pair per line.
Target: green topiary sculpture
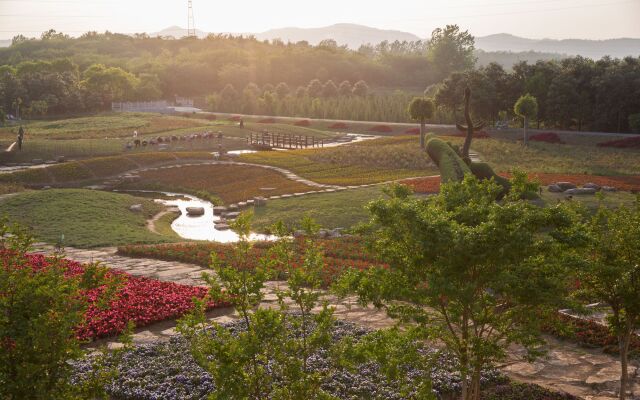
x,y
469,128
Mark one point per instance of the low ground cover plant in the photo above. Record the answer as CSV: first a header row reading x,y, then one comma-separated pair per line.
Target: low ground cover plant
x,y
141,300
626,143
339,254
231,183
547,137
303,122
381,129
338,125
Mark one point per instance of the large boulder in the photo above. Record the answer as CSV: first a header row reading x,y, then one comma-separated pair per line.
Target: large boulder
x,y
195,211
136,208
566,185
580,191
219,210
555,188
592,185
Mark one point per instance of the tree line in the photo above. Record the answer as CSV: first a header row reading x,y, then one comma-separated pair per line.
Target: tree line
x,y
574,93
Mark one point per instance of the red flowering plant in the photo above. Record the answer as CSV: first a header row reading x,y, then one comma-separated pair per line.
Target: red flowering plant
x,y
547,137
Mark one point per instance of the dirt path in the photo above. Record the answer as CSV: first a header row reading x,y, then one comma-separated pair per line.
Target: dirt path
x,y
151,223
588,373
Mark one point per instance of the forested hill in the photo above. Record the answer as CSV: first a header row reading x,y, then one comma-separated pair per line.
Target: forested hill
x,y
198,66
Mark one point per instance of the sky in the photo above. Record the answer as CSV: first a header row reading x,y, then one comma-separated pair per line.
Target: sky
x,y
556,19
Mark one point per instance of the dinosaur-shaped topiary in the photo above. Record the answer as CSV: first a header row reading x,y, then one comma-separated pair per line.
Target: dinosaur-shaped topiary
x,y
469,128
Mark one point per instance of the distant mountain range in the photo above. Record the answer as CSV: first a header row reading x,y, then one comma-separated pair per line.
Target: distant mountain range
x,y
354,36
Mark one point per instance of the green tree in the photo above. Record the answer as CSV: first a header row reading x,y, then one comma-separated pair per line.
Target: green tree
x,y
329,89
39,312
476,273
314,89
609,272
345,88
421,109
527,108
282,90
361,89
450,50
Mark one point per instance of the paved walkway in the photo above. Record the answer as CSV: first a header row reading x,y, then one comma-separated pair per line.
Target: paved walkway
x,y
588,373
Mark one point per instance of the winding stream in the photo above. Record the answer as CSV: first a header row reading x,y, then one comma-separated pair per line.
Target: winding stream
x,y
200,227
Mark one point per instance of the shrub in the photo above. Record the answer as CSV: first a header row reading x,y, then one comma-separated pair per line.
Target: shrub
x,y
303,122
547,137
381,129
338,125
267,121
452,168
626,143
413,131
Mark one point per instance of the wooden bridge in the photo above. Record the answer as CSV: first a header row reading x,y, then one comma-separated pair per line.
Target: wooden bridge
x,y
268,140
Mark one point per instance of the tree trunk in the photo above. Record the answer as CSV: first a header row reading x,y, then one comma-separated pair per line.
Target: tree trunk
x,y
526,133
623,342
467,140
422,129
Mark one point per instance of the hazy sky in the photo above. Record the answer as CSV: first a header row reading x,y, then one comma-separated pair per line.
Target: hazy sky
x,y
558,19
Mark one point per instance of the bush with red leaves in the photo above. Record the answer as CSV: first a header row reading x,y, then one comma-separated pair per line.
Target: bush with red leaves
x,y
235,118
338,125
547,137
141,300
303,122
413,131
210,117
626,143
381,129
267,121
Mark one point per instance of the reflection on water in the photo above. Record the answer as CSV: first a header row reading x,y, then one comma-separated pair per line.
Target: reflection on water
x,y
199,227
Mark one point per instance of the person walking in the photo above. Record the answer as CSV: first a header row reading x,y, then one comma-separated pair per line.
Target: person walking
x,y
20,137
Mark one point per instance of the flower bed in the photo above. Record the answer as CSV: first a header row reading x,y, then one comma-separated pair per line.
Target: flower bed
x,y
169,371
547,137
267,121
141,300
235,118
340,254
413,131
338,125
428,184
381,129
303,122
591,334
626,143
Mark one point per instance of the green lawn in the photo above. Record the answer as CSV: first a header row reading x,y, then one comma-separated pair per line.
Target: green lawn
x,y
86,218
354,164
331,210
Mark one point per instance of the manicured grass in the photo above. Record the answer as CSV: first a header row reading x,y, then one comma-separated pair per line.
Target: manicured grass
x,y
104,125
87,218
163,225
354,164
97,168
341,209
556,158
231,183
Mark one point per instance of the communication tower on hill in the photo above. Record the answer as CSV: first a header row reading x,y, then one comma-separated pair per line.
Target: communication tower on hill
x,y
191,25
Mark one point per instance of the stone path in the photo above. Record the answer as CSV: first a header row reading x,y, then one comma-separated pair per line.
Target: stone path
x,y
587,373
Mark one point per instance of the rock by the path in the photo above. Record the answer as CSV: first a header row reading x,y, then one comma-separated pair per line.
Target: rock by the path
x,y
231,215
242,204
555,189
219,210
136,208
60,159
259,201
298,233
37,161
609,189
566,185
221,227
195,211
581,191
592,185
233,207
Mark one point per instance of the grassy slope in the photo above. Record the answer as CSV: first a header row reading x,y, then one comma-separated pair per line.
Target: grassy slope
x,y
231,183
86,218
355,164
331,210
